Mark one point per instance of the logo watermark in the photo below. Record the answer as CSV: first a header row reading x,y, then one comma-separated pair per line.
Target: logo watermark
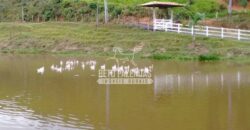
x,y
120,74
125,75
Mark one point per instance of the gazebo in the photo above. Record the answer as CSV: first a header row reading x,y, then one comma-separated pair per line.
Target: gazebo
x,y
157,4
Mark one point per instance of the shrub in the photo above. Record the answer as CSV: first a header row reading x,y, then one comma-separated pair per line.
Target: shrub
x,y
208,57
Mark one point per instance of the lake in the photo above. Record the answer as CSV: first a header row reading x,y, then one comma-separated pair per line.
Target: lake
x,y
184,95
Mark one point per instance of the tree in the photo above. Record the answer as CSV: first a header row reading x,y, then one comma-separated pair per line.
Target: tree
x,y
195,17
243,3
32,10
106,14
97,13
1,11
230,3
41,4
23,3
56,8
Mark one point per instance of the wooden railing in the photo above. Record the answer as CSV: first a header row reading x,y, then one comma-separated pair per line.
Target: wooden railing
x,y
208,31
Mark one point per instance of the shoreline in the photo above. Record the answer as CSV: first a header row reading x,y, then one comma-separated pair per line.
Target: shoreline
x,y
177,58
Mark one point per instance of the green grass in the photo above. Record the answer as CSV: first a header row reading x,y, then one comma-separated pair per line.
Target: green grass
x,y
86,39
209,7
240,20
209,57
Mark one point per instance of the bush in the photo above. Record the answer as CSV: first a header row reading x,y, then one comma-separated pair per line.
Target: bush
x,y
72,8
209,57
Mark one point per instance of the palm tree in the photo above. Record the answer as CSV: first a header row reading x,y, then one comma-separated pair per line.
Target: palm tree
x,y
195,17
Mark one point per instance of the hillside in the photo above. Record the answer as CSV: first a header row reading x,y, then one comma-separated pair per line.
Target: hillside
x,y
119,10
76,10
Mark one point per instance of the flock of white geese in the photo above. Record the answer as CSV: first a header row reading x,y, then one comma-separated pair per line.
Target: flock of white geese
x,y
70,65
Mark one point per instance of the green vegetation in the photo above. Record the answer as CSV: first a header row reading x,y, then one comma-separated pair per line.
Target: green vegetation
x,y
208,57
241,21
195,17
85,39
85,10
243,3
73,37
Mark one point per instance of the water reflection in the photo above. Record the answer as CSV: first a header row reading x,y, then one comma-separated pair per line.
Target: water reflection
x,y
14,116
107,106
230,111
169,82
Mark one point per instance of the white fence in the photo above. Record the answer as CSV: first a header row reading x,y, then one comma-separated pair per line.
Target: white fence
x,y
169,26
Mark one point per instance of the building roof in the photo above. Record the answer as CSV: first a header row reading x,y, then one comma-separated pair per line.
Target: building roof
x,y
162,4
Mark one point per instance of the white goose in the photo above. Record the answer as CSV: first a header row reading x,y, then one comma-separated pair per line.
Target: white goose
x,y
83,65
92,67
103,67
41,70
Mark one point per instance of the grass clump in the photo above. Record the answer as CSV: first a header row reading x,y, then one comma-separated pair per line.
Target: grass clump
x,y
162,57
209,57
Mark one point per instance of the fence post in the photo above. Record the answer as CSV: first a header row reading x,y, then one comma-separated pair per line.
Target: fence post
x,y
207,31
222,33
166,26
192,30
239,34
154,19
179,30
154,25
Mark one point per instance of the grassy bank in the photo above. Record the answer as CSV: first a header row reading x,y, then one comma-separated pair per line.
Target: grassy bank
x,y
86,39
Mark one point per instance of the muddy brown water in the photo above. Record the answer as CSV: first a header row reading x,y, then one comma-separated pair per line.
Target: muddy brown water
x,y
185,95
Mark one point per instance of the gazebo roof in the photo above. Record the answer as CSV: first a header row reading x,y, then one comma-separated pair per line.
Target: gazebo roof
x,y
162,4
